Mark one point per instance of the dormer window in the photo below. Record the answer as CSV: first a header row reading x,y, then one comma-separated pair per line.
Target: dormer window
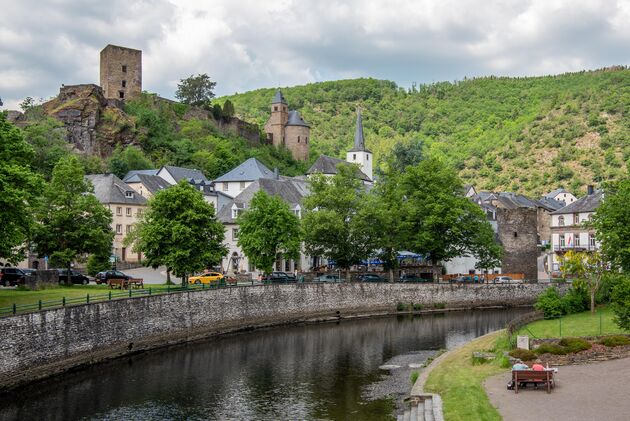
x,y
297,211
235,211
561,221
129,194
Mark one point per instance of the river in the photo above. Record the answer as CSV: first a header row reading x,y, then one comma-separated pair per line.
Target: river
x,y
307,372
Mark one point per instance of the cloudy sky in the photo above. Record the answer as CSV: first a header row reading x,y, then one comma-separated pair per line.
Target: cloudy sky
x,y
245,44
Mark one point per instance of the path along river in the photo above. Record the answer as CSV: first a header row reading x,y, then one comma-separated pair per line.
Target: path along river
x,y
307,372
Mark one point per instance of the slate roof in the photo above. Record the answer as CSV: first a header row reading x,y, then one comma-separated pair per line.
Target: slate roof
x,y
551,204
110,189
556,192
328,165
133,173
359,140
180,173
250,170
510,200
278,98
290,190
153,183
588,203
295,119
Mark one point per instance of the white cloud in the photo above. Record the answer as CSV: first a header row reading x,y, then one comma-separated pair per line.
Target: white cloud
x,y
249,44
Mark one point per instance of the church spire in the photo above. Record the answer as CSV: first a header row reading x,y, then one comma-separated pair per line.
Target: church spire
x,y
359,140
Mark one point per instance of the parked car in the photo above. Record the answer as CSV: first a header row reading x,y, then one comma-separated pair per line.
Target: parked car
x,y
102,277
371,277
328,278
502,280
29,272
11,276
279,277
207,278
414,278
76,277
461,279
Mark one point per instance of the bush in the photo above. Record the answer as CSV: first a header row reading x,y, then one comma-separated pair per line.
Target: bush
x,y
604,292
96,264
550,303
575,344
621,303
417,306
414,376
523,354
439,305
400,306
576,300
548,348
615,340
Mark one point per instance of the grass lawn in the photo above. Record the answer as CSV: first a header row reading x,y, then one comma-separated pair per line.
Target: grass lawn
x,y
460,383
10,296
579,324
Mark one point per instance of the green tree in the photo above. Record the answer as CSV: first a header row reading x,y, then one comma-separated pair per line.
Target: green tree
x,y
19,187
228,109
612,222
331,226
130,158
195,90
180,231
621,303
71,221
438,221
589,267
49,143
268,229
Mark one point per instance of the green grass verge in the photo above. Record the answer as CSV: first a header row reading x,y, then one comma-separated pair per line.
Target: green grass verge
x,y
460,383
579,324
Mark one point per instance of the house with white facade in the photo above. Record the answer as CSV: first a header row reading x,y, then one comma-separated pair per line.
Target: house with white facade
x,y
561,195
570,228
238,179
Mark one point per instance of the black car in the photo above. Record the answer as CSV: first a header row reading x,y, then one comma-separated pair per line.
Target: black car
x,y
371,277
75,277
114,274
280,277
414,278
12,276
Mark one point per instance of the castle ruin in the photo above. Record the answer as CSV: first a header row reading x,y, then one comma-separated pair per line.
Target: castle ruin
x,y
121,72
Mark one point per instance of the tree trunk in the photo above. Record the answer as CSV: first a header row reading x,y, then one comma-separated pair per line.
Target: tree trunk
x,y
592,301
168,276
348,275
391,274
436,276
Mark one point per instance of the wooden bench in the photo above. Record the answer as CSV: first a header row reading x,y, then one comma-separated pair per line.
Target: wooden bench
x,y
533,376
117,283
135,283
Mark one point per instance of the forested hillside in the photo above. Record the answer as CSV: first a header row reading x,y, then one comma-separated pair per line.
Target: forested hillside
x,y
528,135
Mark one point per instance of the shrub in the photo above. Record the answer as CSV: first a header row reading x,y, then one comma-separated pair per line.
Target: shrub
x,y
604,292
523,354
576,300
22,288
575,344
439,305
417,306
400,306
548,348
550,303
414,376
621,303
615,340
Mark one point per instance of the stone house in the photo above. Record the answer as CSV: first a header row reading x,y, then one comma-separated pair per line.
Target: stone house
x,y
570,229
287,129
126,206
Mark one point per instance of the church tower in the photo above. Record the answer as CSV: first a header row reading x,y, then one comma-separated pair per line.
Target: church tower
x,y
287,129
359,154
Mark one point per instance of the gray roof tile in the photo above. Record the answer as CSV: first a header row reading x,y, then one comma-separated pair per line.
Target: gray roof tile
x,y
295,119
250,170
588,203
131,174
359,140
110,189
328,165
278,98
180,173
153,183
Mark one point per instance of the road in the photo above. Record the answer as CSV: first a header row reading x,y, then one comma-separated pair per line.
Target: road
x,y
152,276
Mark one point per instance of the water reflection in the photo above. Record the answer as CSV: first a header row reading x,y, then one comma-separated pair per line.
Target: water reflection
x,y
302,372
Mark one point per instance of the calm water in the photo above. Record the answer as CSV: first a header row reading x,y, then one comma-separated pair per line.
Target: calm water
x,y
314,372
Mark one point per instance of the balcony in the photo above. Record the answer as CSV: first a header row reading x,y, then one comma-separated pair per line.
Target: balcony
x,y
580,247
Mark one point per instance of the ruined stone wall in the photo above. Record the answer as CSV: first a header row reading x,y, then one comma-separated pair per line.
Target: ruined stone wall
x,y
40,344
518,234
121,72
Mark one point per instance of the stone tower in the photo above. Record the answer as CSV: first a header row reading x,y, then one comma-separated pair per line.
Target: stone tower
x,y
121,72
359,154
287,129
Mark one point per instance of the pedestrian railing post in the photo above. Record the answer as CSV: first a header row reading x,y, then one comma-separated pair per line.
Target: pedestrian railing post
x,y
560,320
14,308
149,291
129,292
87,299
40,305
110,295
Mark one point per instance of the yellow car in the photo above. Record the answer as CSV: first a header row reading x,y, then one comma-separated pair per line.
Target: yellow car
x,y
206,278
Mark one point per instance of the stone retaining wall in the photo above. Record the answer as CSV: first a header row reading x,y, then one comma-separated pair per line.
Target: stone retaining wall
x,y
40,344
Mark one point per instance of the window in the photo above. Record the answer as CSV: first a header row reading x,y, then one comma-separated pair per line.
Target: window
x,y
124,83
128,211
235,234
129,194
225,186
140,212
128,229
577,240
242,186
576,218
562,243
118,228
367,157
234,213
298,139
121,95
354,157
124,68
561,221
306,139
287,266
275,108
591,240
515,234
119,211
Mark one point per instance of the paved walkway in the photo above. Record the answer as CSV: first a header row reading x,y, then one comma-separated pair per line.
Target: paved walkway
x,y
597,391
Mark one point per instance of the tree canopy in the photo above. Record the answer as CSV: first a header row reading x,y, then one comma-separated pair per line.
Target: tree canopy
x,y
180,231
196,90
268,229
612,222
71,221
20,187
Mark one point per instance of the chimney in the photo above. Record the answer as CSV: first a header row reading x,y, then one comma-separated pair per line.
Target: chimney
x,y
276,174
590,190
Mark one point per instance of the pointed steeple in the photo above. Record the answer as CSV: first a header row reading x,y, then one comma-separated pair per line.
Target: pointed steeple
x,y
359,140
278,98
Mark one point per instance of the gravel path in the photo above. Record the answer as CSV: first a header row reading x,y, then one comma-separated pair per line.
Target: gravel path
x,y
597,391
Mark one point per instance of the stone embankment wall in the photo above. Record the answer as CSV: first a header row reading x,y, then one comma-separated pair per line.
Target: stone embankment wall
x,y
40,344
